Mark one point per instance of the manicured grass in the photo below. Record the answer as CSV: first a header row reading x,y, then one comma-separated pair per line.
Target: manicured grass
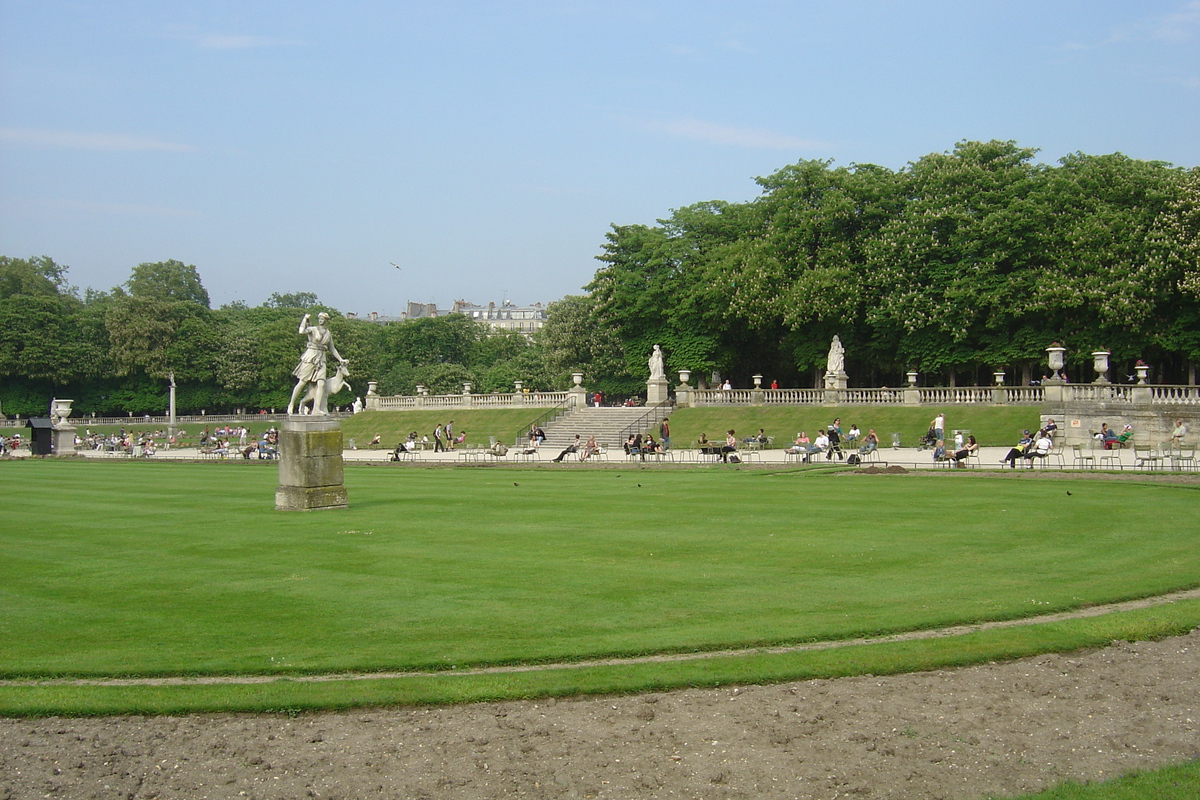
x,y
991,425
139,568
1179,782
503,424
286,695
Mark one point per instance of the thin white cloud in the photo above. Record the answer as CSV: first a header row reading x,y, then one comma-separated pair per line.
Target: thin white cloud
x,y
737,137
72,140
1178,26
238,42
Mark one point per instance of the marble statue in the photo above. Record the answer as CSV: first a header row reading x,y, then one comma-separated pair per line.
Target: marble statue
x,y
358,405
837,357
310,372
656,364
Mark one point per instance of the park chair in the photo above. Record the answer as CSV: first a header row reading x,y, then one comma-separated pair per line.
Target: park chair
x,y
1111,457
1183,457
1083,459
1056,454
1147,457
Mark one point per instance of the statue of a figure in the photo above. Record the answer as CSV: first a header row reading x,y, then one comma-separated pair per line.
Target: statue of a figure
x,y
310,372
656,364
837,357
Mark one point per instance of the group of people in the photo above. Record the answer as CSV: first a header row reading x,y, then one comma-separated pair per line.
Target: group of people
x,y
834,442
1029,447
583,451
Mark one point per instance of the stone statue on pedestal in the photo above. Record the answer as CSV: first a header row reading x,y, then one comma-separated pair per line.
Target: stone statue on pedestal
x,y
310,372
835,366
656,364
837,356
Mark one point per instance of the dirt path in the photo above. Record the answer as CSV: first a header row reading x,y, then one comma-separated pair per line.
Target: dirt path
x,y
998,728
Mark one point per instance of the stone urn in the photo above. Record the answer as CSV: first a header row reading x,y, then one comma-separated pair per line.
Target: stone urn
x,y
1100,363
1143,372
1055,357
60,411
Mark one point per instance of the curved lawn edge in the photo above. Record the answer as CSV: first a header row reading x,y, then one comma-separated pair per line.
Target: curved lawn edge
x,y
928,650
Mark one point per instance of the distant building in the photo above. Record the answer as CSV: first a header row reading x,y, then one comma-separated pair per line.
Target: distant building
x,y
506,316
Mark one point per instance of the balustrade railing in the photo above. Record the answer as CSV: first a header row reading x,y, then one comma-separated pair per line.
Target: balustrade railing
x,y
444,401
1175,395
1098,393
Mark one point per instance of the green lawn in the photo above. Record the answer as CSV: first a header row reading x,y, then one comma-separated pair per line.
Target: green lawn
x,y
991,425
155,568
1179,782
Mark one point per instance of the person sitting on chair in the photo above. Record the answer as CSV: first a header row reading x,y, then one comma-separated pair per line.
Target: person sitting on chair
x,y
573,447
970,448
1024,444
730,446
870,443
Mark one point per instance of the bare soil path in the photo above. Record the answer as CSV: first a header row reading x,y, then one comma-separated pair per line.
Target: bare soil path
x,y
966,733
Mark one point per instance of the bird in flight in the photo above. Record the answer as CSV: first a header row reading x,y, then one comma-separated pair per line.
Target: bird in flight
x,y
394,264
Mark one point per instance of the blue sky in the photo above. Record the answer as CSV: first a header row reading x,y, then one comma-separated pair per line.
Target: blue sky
x,y
487,147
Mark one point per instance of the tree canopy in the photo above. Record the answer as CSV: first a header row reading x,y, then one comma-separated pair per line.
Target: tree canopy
x,y
959,264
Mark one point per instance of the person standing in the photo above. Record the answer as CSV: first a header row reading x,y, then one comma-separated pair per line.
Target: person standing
x,y
438,445
939,426
449,431
835,442
664,434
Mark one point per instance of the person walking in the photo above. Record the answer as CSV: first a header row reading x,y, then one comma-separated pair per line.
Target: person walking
x,y
664,434
438,444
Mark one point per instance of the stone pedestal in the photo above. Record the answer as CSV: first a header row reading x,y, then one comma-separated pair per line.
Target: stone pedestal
x,y
836,380
310,465
656,391
62,441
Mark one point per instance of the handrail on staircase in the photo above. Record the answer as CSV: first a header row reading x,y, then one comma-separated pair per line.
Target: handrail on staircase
x,y
549,415
640,423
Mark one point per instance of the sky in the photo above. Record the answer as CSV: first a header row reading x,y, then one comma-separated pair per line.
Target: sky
x,y
486,147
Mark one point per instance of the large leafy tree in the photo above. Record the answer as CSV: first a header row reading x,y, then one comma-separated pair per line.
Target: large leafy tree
x,y
167,281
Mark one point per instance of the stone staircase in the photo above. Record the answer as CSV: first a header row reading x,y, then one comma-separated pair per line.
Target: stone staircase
x,y
610,426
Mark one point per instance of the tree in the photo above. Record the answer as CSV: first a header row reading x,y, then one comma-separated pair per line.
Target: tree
x,y
165,281
35,276
292,300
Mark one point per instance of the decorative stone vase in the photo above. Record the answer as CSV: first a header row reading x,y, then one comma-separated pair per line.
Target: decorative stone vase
x,y
466,388
912,379
1100,363
577,377
1143,372
758,381
685,375
999,376
60,410
1055,357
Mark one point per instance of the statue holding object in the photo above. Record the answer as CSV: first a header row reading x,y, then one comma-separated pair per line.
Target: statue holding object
x,y
310,372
